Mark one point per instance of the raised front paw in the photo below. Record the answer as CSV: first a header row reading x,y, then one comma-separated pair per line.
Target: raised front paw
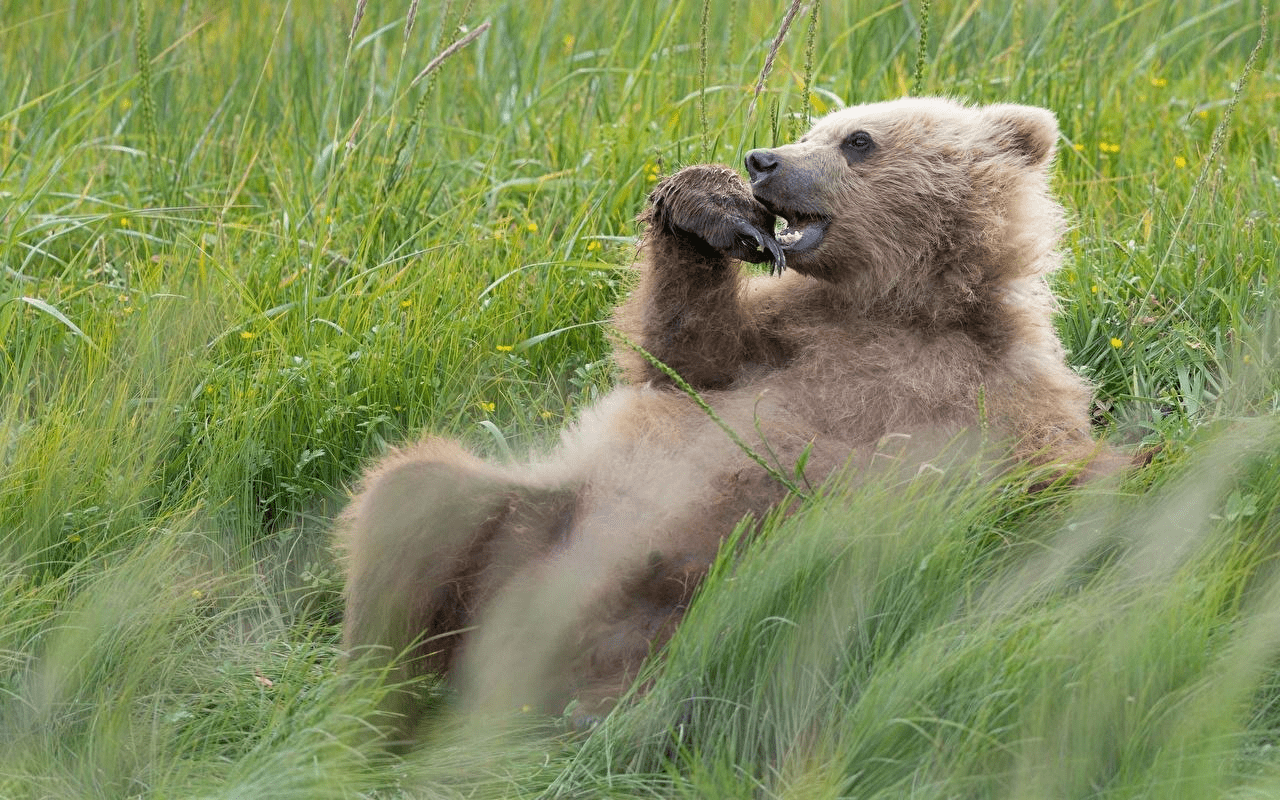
x,y
712,206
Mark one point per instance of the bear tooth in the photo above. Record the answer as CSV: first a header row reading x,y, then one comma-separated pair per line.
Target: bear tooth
x,y
789,236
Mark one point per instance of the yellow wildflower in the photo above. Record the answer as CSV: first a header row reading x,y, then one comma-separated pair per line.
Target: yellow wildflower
x,y
196,594
504,348
406,303
1094,288
592,246
532,227
73,538
1180,162
1117,343
1077,147
1159,82
247,334
487,407
1203,113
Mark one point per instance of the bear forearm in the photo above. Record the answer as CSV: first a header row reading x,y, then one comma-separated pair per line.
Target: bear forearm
x,y
687,314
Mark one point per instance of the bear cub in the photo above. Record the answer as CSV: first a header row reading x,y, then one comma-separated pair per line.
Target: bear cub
x,y
908,299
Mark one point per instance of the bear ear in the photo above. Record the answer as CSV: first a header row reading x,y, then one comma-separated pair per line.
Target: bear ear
x,y
1025,131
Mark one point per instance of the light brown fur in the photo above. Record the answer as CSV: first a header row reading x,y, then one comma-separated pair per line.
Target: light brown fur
x,y
923,306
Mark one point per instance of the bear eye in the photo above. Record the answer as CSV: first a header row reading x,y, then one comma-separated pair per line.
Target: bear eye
x,y
860,140
857,146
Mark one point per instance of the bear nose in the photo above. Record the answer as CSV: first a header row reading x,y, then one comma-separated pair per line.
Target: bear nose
x,y
761,164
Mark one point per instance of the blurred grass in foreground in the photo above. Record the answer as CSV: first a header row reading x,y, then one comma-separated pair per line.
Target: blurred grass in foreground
x,y
241,253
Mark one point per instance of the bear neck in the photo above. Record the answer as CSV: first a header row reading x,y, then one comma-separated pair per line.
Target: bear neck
x,y
988,297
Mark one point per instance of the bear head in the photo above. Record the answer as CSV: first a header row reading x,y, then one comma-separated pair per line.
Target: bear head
x,y
922,206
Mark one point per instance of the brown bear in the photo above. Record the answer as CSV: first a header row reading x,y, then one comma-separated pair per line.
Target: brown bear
x,y
910,300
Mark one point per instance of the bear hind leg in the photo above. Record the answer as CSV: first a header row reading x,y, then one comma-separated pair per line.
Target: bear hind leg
x,y
431,534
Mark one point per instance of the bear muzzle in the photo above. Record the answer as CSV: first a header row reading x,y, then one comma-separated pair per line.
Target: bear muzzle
x,y
794,190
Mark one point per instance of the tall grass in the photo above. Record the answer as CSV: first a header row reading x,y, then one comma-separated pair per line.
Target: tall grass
x,y
243,251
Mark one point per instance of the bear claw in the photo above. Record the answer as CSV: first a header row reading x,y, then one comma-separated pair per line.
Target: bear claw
x,y
758,247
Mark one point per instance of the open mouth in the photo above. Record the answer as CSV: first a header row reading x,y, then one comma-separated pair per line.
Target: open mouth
x,y
800,235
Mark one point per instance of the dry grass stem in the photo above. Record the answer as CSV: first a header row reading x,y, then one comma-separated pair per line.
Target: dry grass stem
x,y
450,50
355,22
410,18
773,52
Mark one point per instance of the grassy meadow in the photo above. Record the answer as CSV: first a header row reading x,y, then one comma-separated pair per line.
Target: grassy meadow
x,y
246,247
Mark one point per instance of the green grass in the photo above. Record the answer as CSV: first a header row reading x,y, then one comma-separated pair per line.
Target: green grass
x,y
241,254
